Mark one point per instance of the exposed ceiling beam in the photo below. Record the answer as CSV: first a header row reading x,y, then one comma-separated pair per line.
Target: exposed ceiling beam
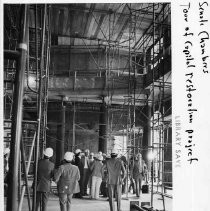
x,y
101,11
101,43
93,92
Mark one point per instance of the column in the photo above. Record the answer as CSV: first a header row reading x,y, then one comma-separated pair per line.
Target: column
x,y
61,137
146,131
17,110
102,146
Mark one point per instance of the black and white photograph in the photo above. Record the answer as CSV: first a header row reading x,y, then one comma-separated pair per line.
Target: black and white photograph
x,y
93,117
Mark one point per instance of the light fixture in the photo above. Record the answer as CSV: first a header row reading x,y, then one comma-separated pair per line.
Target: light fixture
x,y
31,81
150,155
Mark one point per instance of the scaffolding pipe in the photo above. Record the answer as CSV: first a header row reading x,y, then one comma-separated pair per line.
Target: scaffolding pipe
x,y
163,136
63,131
36,47
153,105
25,176
73,132
134,90
46,80
28,68
39,110
27,170
17,114
19,179
129,117
11,54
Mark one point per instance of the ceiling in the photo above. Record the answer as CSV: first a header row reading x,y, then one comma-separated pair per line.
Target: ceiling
x,y
103,24
111,30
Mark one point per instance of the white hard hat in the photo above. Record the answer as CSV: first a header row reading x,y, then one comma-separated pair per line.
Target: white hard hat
x,y
100,157
114,151
100,153
69,156
87,150
92,153
77,151
6,151
139,155
48,152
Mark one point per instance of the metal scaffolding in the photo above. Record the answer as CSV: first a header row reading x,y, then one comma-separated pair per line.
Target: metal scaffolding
x,y
27,58
29,66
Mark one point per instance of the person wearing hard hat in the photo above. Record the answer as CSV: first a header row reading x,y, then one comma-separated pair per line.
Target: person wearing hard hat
x,y
6,160
67,177
114,167
96,169
44,177
86,172
91,158
123,158
79,164
103,189
137,172
91,161
6,168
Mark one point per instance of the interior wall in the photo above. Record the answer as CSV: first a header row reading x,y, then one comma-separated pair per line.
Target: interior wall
x,y
63,60
86,129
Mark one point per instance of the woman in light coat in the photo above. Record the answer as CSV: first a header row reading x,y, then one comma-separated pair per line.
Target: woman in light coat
x,y
96,169
137,172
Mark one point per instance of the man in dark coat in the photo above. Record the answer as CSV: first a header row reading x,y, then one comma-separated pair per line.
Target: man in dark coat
x,y
44,176
80,165
86,172
67,177
114,168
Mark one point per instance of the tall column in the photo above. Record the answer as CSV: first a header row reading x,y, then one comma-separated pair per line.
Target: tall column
x,y
16,129
63,130
61,137
102,146
146,131
74,129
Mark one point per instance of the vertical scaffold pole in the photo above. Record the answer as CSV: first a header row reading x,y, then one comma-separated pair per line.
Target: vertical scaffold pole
x,y
17,114
73,132
153,103
39,109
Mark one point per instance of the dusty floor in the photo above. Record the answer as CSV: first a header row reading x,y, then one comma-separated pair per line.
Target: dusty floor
x,y
102,204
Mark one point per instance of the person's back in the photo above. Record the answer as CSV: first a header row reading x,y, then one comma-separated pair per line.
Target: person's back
x,y
137,172
96,169
68,175
96,178
44,175
137,168
78,163
114,166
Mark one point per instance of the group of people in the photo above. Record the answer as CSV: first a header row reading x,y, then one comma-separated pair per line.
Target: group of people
x,y
75,173
82,171
67,177
90,167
